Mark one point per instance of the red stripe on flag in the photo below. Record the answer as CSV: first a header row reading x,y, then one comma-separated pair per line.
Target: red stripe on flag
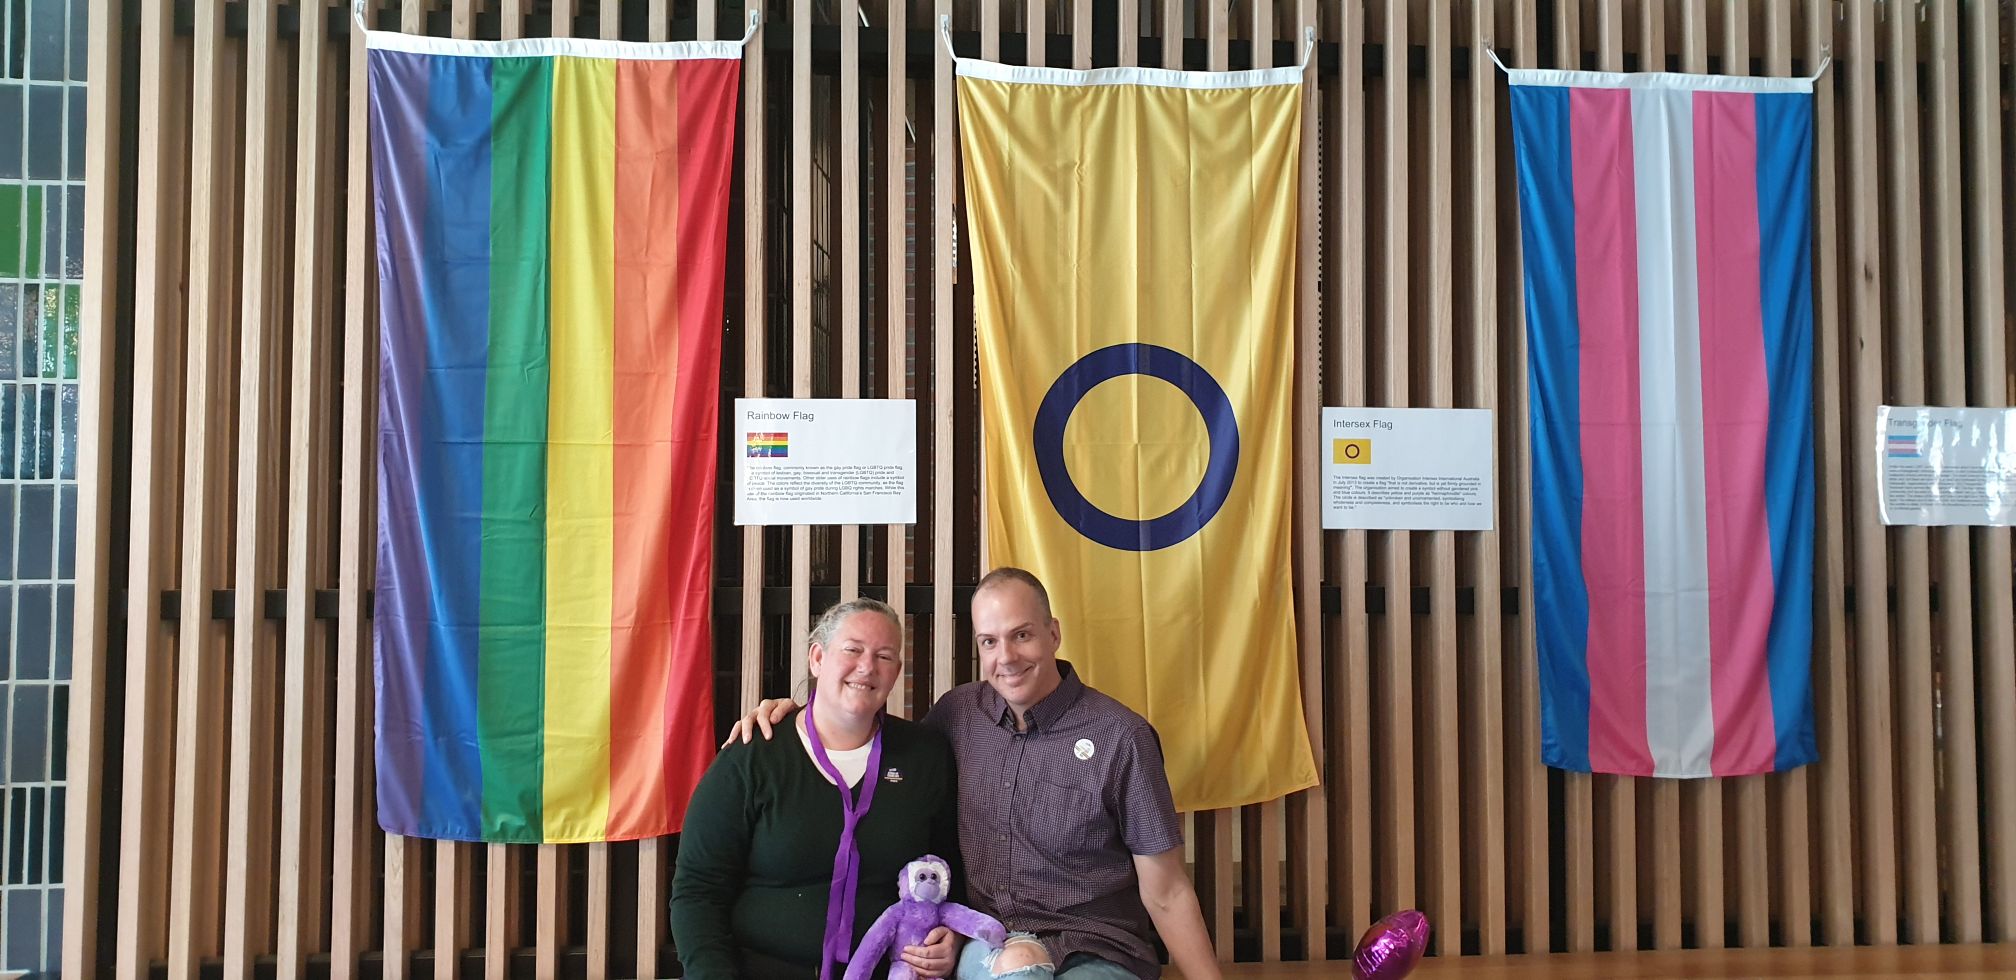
x,y
706,113
1736,411
647,363
1613,507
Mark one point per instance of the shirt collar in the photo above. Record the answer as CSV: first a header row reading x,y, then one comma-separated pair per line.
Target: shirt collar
x,y
1047,711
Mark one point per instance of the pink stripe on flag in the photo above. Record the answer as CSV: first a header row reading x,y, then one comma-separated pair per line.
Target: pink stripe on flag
x,y
1613,509
1736,407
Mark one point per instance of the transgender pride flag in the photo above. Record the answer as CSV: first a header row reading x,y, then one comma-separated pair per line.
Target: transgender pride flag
x,y
1668,288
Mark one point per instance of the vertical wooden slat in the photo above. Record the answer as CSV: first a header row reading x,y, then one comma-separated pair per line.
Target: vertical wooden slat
x,y
1396,692
1081,34
84,908
194,885
1482,665
1789,800
850,254
1987,264
1959,800
1308,837
990,34
1528,812
1035,32
704,28
1578,816
1664,835
1701,800
895,181
1172,33
755,210
1349,702
350,853
944,140
598,910
304,820
402,904
1443,806
1830,669
801,303
549,923
1752,863
1903,326
500,908
1618,793
1875,817
502,888
1130,34
249,817
454,861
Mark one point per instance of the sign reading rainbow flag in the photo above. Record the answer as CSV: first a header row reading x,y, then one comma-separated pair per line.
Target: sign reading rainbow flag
x,y
552,220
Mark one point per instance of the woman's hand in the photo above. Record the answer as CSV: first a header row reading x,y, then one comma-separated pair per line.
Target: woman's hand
x,y
767,714
937,956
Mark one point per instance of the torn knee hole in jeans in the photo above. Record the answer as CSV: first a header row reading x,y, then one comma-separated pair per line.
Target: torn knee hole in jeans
x,y
1038,963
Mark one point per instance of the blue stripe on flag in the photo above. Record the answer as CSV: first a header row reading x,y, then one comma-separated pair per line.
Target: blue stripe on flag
x,y
457,303
1561,596
1785,202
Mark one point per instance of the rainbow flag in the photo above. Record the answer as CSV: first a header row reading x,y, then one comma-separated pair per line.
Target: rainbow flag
x,y
1668,244
552,221
770,444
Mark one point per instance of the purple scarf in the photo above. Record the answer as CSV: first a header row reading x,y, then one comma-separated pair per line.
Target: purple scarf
x,y
839,943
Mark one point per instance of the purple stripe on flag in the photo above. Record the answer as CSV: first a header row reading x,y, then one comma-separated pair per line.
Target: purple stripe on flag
x,y
1736,418
399,95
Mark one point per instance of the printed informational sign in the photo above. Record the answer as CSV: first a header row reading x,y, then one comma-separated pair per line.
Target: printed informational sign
x,y
1944,466
825,461
1411,469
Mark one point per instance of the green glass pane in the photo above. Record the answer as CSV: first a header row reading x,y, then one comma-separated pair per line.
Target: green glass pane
x,y
21,216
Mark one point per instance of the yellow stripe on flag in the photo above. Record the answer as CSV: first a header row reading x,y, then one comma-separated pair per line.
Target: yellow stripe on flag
x,y
580,462
1134,253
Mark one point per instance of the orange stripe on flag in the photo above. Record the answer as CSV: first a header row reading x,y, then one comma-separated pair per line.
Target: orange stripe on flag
x,y
647,368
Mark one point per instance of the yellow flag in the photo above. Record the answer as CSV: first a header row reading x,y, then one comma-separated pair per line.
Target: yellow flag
x,y
1133,234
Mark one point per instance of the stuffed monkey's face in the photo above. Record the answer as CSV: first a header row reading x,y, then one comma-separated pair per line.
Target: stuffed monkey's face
x,y
929,881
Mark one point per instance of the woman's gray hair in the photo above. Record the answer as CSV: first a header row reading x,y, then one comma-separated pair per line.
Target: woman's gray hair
x,y
830,620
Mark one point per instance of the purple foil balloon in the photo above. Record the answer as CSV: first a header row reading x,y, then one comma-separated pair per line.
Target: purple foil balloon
x,y
1390,949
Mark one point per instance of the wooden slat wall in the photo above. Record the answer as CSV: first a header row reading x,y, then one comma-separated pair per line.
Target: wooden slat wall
x,y
243,331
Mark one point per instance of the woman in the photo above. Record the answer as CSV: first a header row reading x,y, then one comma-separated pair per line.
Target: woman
x,y
780,871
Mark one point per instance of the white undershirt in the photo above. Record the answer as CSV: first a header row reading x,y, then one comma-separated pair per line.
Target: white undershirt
x,y
852,763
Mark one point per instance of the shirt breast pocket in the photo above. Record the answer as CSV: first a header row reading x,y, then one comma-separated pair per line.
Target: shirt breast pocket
x,y
1066,825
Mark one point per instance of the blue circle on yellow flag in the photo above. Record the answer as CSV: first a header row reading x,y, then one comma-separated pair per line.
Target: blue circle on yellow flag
x,y
1192,380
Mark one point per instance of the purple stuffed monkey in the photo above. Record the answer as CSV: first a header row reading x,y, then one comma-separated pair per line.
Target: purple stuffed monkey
x,y
920,906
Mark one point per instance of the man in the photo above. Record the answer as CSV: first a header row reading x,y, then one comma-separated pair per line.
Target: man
x,y
1065,818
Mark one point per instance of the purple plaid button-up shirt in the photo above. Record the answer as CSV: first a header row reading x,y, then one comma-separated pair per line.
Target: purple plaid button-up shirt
x,y
1050,818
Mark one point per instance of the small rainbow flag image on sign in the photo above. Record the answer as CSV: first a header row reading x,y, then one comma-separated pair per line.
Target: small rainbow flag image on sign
x,y
552,237
1902,446
769,444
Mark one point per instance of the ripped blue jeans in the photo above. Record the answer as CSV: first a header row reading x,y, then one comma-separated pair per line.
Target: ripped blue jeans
x,y
976,962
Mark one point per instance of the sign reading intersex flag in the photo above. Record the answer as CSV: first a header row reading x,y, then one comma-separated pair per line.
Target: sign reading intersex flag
x,y
552,221
1668,247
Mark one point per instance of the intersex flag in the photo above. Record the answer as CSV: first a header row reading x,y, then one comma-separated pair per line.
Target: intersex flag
x,y
552,221
1134,259
1667,229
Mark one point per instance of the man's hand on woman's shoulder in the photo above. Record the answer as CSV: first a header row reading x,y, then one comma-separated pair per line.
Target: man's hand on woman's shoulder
x,y
768,714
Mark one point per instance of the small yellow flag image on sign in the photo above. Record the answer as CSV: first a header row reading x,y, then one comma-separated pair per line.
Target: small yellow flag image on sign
x,y
1351,451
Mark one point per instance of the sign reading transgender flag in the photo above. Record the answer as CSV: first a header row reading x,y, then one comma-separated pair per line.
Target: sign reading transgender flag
x,y
552,234
1666,223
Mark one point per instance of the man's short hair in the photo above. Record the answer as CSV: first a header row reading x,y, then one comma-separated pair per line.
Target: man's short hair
x,y
1009,573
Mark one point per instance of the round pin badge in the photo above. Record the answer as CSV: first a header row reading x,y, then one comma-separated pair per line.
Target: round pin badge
x,y
1083,749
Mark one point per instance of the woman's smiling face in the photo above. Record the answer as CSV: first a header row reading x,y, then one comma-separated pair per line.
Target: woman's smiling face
x,y
857,667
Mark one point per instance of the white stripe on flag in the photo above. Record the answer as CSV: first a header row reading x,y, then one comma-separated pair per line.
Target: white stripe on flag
x,y
1679,696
